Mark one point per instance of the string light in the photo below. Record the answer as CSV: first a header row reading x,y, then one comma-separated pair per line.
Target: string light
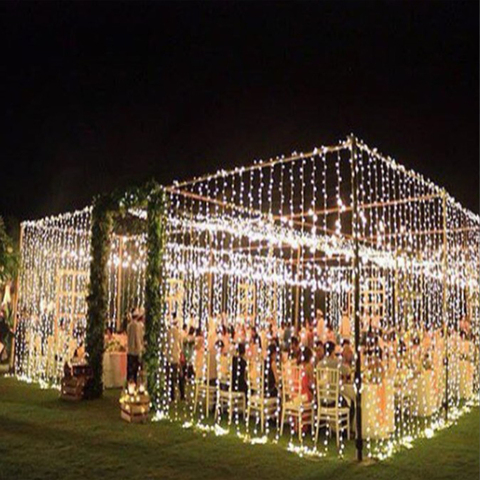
x,y
258,247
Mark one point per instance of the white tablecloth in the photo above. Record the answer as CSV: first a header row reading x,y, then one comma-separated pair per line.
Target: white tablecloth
x,y
426,393
114,369
466,379
378,408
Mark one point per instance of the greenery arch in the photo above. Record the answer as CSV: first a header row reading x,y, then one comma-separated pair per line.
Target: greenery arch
x,y
152,197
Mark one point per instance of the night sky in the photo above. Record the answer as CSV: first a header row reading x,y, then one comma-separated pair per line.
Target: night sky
x,y
100,96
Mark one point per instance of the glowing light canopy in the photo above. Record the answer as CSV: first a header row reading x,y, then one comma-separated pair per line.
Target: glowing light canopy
x,y
268,245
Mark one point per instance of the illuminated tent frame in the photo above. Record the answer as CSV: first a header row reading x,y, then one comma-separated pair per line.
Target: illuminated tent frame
x,y
342,228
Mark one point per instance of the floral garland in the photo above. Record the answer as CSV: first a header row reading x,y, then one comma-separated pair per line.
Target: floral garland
x,y
155,293
97,299
9,257
106,209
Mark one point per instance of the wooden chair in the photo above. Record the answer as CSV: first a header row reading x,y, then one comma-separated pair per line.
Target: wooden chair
x,y
203,391
266,406
227,396
293,403
330,412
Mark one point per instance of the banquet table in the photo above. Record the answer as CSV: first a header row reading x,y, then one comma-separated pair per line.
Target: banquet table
x,y
378,408
426,393
114,369
466,379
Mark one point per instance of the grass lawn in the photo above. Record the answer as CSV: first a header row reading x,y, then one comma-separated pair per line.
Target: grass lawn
x,y
42,437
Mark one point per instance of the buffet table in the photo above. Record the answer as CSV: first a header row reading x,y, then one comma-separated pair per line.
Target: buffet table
x,y
114,369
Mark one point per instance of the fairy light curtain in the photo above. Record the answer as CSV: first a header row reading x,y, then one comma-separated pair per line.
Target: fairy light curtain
x,y
286,226
53,285
55,263
268,246
126,283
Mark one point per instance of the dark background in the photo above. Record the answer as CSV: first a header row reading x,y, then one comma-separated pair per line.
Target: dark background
x,y
104,95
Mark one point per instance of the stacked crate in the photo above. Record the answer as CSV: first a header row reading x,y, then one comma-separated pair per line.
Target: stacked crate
x,y
134,405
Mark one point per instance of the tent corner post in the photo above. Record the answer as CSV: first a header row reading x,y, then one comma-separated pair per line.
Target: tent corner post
x,y
356,302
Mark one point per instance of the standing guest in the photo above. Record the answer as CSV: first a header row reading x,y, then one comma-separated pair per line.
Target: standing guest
x,y
320,323
345,330
135,334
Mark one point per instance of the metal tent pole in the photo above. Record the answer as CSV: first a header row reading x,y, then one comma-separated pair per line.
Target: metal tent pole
x,y
356,301
15,302
445,295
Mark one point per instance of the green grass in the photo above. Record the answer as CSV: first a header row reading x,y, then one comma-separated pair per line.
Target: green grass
x,y
42,437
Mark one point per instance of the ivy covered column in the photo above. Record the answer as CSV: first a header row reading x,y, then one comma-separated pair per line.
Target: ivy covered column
x,y
97,299
154,294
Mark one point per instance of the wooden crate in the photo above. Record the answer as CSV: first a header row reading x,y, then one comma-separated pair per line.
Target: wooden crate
x,y
72,388
135,408
74,381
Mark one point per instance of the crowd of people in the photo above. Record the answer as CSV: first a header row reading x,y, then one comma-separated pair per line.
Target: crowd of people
x,y
196,353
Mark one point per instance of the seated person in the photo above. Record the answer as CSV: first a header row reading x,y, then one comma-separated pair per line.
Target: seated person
x,y
188,349
348,356
294,353
254,345
221,354
287,334
108,335
79,354
330,361
213,353
307,374
241,334
320,323
198,354
239,370
345,331
319,351
271,372
374,369
330,334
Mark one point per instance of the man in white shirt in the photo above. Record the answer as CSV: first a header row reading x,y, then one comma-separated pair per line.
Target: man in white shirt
x,y
135,334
